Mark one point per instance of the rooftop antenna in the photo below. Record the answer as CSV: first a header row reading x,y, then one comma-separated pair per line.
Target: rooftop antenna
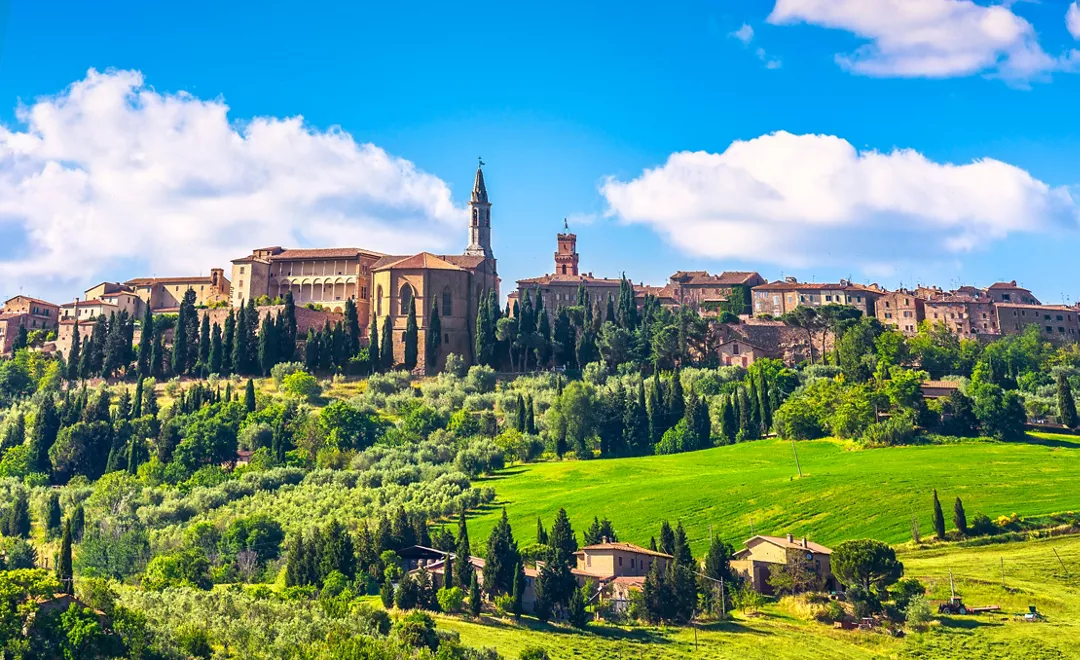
x,y
565,224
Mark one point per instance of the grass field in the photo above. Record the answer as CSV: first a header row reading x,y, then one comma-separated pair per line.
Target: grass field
x,y
1033,575
844,492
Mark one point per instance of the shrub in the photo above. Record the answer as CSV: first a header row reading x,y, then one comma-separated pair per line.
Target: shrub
x,y
918,614
906,589
481,379
981,525
302,384
451,600
417,629
897,430
533,653
283,369
455,365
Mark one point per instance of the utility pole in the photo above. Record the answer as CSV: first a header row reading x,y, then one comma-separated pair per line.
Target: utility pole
x,y
1061,562
794,451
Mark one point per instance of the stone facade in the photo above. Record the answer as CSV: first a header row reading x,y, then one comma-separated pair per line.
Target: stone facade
x,y
1055,322
764,554
87,309
702,291
164,294
324,276
455,283
779,298
963,315
1009,292
901,309
40,314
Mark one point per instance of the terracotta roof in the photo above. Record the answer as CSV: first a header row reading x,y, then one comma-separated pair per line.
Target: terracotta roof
x,y
813,286
36,300
703,277
463,260
323,253
941,384
625,547
87,303
7,316
1006,285
424,260
1048,308
794,544
143,281
570,279
958,300
629,579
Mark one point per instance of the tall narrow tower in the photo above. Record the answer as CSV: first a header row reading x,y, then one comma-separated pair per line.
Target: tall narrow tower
x,y
566,258
479,218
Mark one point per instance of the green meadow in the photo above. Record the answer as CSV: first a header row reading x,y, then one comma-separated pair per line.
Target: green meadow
x,y
1033,576
844,492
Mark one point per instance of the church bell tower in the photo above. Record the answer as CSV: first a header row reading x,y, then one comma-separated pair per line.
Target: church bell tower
x,y
566,258
479,218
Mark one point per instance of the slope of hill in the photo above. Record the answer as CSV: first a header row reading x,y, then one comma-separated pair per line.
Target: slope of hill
x,y
843,493
1033,576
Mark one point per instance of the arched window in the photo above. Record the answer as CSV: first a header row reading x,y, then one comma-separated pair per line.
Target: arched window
x,y
447,302
378,300
405,297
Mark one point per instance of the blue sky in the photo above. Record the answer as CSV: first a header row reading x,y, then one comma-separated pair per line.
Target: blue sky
x,y
559,97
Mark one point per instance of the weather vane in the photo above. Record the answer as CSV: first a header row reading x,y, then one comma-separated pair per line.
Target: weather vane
x,y
481,161
565,224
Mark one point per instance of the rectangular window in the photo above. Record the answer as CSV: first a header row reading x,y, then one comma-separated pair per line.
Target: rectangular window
x,y
828,298
1049,329
620,561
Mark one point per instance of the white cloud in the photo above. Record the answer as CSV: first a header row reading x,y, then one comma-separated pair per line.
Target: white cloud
x,y
1072,20
929,38
800,200
111,177
745,34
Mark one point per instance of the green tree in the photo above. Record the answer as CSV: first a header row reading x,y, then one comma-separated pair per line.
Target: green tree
x,y
386,346
502,559
249,396
146,343
73,357
866,563
269,343
433,340
215,354
463,568
240,346
959,517
373,344
1066,405
939,518
17,521
204,344
474,595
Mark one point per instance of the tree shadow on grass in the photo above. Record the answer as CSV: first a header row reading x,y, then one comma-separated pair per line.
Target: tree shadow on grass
x,y
501,474
970,622
640,635
1060,443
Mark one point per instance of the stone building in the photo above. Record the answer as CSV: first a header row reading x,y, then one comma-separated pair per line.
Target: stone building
x,y
901,309
779,298
705,292
40,314
456,283
964,315
324,276
560,289
87,310
1056,322
765,554
1009,292
164,294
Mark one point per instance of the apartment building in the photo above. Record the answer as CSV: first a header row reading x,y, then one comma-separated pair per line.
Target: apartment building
x,y
902,310
778,298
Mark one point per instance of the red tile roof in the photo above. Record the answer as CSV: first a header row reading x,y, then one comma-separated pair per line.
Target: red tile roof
x,y
145,281
703,277
323,253
34,300
814,286
1048,308
624,547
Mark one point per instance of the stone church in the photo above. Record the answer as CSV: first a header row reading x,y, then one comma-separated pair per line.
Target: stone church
x,y
452,282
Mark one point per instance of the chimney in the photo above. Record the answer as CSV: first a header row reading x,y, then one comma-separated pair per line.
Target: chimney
x,y
603,540
804,544
791,280
790,538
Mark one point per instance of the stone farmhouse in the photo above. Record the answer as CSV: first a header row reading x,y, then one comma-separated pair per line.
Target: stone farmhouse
x,y
764,554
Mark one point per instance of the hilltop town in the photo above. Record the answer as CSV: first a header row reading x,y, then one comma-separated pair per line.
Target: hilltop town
x,y
750,317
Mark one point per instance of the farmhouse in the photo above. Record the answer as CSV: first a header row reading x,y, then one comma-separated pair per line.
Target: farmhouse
x,y
764,554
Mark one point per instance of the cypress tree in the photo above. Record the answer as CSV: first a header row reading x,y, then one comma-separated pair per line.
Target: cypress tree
x,y
17,523
483,350
251,325
433,340
373,345
765,404
541,533
352,328
311,351
180,343
78,522
412,332
64,571
287,327
146,343
215,350
959,517
519,418
43,434
464,568
474,595
939,518
249,396
268,345
54,517
676,400
1066,404
530,416
240,348
729,426
73,355
134,457
137,400
518,591
326,347
15,433
667,539
228,337
204,344
386,346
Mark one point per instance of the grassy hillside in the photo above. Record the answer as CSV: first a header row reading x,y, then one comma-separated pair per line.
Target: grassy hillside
x,y
844,492
1033,576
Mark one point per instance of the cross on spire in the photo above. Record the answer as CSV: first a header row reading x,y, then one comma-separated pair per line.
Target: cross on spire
x,y
480,161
